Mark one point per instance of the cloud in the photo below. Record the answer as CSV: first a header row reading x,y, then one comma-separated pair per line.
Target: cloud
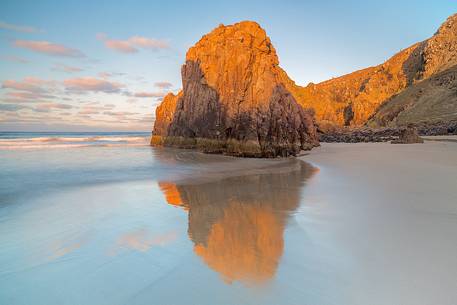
x,y
18,28
148,118
65,68
25,96
11,107
163,85
48,48
14,58
92,84
150,94
119,113
122,46
29,84
86,110
110,74
148,43
48,106
132,44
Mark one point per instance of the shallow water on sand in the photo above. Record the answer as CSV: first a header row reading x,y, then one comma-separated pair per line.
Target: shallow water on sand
x,y
129,224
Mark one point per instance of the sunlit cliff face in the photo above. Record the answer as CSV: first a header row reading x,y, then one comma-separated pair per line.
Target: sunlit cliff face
x,y
237,224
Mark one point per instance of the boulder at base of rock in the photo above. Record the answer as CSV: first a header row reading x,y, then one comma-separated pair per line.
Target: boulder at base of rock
x,y
408,136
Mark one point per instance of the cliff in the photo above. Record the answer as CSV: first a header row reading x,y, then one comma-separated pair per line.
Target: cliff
x,y
236,95
414,85
165,112
431,98
234,100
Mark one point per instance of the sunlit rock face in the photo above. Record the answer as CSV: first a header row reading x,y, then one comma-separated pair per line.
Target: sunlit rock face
x,y
234,88
440,51
233,95
430,100
165,111
237,224
352,99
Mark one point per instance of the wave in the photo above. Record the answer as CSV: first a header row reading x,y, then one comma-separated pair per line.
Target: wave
x,y
69,142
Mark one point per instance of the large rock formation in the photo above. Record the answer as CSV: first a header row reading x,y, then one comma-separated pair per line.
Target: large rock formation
x,y
234,89
351,99
427,70
431,99
234,99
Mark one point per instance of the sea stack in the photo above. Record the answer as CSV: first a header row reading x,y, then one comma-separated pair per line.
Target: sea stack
x,y
233,99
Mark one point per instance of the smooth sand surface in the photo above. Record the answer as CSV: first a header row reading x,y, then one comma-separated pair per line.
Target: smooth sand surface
x,y
386,215
371,223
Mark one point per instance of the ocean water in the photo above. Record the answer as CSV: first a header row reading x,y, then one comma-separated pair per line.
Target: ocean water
x,y
103,218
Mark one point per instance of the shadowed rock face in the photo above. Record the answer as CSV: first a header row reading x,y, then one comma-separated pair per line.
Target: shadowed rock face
x,y
233,95
237,223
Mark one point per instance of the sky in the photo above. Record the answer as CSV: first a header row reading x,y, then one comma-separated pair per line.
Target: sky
x,y
106,65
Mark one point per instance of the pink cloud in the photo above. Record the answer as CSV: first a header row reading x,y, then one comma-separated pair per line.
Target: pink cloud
x,y
149,94
121,46
148,43
28,96
163,85
30,84
92,84
95,109
88,111
49,106
65,68
48,48
132,44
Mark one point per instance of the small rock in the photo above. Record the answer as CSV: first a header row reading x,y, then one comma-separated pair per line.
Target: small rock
x,y
408,136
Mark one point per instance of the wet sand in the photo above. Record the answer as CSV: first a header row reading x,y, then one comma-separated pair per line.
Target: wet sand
x,y
389,214
354,224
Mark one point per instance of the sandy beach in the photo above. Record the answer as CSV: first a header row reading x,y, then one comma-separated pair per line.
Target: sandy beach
x,y
370,223
389,213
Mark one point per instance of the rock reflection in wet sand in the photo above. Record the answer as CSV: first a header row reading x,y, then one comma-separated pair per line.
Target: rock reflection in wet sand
x,y
237,223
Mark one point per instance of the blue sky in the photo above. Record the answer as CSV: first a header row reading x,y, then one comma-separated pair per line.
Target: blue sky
x,y
104,65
